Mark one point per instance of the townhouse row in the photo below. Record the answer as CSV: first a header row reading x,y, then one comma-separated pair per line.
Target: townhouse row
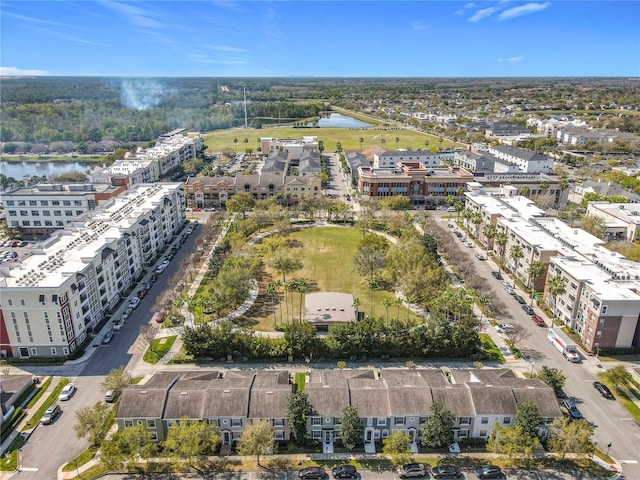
x,y
387,400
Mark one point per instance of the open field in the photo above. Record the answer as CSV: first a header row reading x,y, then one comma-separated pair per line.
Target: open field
x,y
326,253
220,140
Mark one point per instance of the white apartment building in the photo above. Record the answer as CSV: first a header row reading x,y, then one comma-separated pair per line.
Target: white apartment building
x,y
602,298
52,297
294,146
391,158
41,209
622,220
151,164
527,162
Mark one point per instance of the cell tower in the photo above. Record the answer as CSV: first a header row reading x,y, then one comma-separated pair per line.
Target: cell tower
x,y
244,91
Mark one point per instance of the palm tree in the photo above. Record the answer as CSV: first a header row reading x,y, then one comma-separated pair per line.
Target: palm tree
x,y
490,232
397,141
382,142
458,207
556,286
356,306
476,219
483,302
516,254
409,299
301,288
372,284
536,270
501,240
525,191
562,185
467,214
287,286
246,143
235,143
450,200
361,140
271,290
398,302
426,143
387,302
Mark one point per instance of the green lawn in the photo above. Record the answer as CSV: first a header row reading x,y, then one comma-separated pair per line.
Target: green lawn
x,y
159,348
492,350
51,399
220,140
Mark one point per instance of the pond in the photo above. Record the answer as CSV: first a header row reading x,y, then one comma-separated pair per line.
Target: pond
x,y
18,170
337,120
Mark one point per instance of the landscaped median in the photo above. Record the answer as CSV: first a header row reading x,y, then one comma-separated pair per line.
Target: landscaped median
x,y
158,349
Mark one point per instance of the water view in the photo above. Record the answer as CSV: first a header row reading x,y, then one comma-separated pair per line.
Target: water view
x,y
18,170
337,120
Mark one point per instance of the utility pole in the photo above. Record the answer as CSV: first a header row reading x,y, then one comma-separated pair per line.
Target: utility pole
x,y
244,92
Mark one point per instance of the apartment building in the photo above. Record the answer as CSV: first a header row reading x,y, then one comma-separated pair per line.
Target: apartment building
x,y
602,294
203,192
293,146
621,220
527,162
39,210
52,297
391,158
148,165
412,179
387,400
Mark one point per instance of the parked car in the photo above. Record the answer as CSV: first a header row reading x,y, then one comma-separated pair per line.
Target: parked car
x,y
67,392
510,290
528,310
126,313
451,225
133,304
107,338
572,409
142,293
118,324
446,471
561,394
344,471
110,396
538,320
412,470
503,327
469,244
479,256
312,472
160,269
457,234
519,299
50,414
153,278
489,471
497,275
603,389
147,286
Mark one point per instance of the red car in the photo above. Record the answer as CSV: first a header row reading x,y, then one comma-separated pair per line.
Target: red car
x,y
141,293
539,320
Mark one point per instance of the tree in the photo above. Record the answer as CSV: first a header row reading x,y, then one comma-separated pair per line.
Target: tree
x,y
361,140
300,339
557,286
387,302
618,376
90,422
121,451
562,186
436,430
297,408
351,427
516,253
257,439
116,380
240,202
516,334
501,240
368,260
594,225
191,442
528,417
397,446
570,436
535,271
148,333
285,262
552,377
356,306
511,442
235,143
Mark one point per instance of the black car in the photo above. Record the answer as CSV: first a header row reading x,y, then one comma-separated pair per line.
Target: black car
x,y
446,471
527,309
497,275
344,471
572,409
489,471
519,299
603,389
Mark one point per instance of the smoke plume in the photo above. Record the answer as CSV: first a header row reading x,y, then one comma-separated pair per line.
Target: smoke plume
x,y
141,93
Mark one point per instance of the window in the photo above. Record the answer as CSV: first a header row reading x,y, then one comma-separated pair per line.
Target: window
x,y
46,213
604,309
34,351
32,203
236,422
151,423
381,421
465,420
37,223
278,422
54,352
128,423
44,203
279,434
506,421
26,223
316,434
399,421
483,433
153,436
316,421
35,213
66,203
484,420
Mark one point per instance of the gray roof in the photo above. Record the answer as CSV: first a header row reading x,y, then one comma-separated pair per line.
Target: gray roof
x,y
456,398
492,399
269,394
369,396
537,391
325,308
146,400
518,152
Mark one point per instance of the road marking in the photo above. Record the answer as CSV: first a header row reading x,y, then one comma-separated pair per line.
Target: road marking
x,y
628,461
626,419
29,469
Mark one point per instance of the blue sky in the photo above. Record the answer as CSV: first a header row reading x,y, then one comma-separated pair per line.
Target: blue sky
x,y
320,38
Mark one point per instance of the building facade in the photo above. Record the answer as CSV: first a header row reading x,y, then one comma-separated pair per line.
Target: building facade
x,y
54,296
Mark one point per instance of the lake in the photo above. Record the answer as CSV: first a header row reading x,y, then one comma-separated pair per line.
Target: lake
x,y
18,170
337,120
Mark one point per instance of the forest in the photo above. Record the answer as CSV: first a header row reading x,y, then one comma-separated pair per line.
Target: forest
x,y
92,114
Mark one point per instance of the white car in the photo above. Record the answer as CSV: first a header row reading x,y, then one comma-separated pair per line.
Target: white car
x,y
503,327
118,324
135,301
160,268
67,392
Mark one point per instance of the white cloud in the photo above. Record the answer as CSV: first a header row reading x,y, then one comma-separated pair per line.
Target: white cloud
x,y
464,9
510,60
20,72
136,15
523,10
483,13
418,26
225,48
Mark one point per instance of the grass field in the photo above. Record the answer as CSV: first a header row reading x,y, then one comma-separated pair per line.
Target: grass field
x,y
349,138
326,253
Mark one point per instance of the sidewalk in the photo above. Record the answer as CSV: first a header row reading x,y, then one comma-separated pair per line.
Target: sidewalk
x,y
24,425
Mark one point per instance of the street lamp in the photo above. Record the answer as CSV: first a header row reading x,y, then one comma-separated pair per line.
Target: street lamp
x,y
77,471
608,447
533,364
